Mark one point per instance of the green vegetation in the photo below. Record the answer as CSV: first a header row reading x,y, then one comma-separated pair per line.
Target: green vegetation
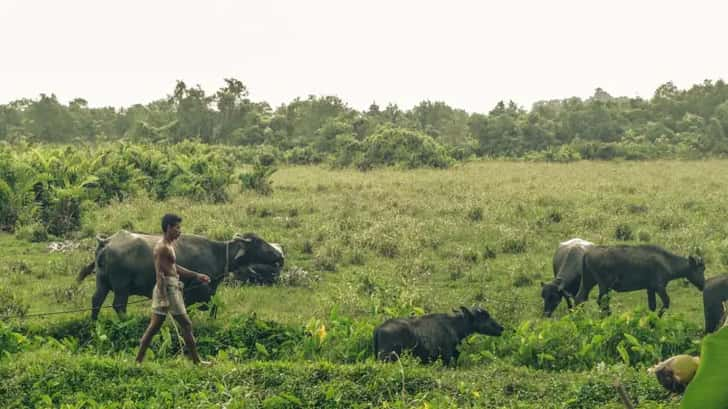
x,y
672,123
361,247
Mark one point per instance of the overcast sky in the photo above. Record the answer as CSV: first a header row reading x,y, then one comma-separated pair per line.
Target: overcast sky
x,y
469,54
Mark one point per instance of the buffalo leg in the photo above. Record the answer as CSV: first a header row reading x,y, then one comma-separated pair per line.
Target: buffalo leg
x,y
585,286
98,299
651,300
601,301
662,292
568,302
455,356
120,300
713,314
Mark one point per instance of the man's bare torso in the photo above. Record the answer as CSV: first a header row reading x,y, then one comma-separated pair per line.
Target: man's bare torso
x,y
165,258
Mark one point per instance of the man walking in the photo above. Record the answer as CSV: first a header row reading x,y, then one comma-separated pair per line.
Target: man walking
x,y
167,294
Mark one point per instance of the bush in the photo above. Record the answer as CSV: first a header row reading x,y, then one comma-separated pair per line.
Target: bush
x,y
390,146
577,341
302,156
11,304
259,179
10,341
8,214
34,233
560,154
63,215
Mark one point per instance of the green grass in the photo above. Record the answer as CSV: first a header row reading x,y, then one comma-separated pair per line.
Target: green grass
x,y
383,243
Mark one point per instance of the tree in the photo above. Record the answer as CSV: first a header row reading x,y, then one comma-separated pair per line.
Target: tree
x,y
48,120
194,117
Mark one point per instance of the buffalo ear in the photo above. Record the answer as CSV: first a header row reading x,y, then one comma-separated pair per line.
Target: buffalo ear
x,y
543,284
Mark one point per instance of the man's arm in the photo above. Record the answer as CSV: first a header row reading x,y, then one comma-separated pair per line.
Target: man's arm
x,y
183,272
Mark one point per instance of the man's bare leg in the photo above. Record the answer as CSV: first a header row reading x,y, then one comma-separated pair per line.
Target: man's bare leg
x,y
186,326
154,325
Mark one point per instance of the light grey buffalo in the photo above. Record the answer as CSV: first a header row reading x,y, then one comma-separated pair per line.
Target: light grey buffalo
x,y
124,264
567,263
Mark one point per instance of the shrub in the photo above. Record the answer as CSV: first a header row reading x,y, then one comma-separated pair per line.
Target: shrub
x,y
623,232
577,341
302,156
11,304
34,233
63,214
8,215
390,146
259,179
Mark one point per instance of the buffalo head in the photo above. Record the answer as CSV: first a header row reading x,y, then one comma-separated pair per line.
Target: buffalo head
x,y
551,294
250,249
696,271
481,321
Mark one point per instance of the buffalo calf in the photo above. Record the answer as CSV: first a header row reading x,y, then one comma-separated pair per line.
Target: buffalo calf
x,y
432,336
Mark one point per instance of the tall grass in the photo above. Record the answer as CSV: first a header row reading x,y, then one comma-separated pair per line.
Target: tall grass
x,y
386,243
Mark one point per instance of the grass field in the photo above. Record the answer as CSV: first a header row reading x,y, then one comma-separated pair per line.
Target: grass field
x,y
374,245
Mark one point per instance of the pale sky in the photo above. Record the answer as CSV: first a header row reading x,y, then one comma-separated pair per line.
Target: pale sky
x,y
469,54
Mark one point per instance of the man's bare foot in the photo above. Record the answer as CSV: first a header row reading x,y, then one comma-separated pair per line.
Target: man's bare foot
x,y
204,363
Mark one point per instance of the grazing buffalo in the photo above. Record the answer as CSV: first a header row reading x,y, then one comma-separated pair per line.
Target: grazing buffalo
x,y
714,294
259,273
432,336
568,262
629,268
124,264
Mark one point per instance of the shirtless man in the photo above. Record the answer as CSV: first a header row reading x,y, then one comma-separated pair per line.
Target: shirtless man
x,y
167,294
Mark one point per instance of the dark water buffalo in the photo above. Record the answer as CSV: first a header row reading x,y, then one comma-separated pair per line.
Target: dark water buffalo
x,y
124,264
629,268
259,273
568,262
432,336
714,294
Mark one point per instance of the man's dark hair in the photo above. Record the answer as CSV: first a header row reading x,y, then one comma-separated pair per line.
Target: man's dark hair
x,y
170,219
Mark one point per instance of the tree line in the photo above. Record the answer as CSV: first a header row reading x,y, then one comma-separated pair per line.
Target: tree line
x,y
672,123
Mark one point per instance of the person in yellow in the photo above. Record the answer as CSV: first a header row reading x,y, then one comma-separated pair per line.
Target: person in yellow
x,y
167,294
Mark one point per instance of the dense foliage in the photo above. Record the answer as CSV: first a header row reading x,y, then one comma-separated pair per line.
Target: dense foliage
x,y
673,123
46,190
